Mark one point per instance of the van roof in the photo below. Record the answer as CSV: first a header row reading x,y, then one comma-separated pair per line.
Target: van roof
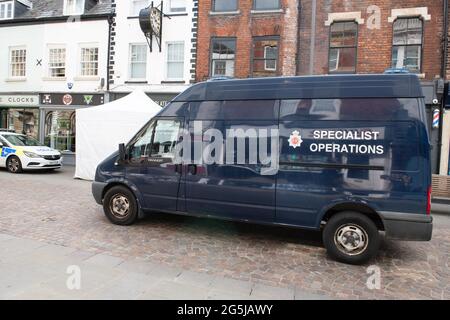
x,y
308,87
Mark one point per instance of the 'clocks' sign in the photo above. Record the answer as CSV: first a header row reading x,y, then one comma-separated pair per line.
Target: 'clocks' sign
x,y
19,100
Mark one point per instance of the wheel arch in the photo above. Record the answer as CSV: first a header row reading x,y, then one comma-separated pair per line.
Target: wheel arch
x,y
362,208
12,155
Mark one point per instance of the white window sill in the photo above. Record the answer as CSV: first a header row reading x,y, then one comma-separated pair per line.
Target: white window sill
x,y
177,13
81,78
173,81
421,75
18,79
54,78
269,11
70,14
137,81
224,13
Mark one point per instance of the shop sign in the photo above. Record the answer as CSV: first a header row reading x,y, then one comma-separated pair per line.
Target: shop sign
x,y
19,100
71,99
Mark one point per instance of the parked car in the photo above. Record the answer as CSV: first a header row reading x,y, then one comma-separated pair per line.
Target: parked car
x,y
19,152
354,160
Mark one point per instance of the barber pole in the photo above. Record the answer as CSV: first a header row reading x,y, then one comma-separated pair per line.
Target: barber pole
x,y
436,115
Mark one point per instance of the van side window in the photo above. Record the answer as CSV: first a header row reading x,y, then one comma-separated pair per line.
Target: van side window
x,y
350,109
139,149
165,138
251,110
158,139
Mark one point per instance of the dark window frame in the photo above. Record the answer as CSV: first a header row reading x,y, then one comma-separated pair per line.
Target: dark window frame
x,y
213,7
252,53
355,46
268,9
211,51
410,45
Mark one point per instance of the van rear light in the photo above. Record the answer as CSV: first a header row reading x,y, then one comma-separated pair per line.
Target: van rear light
x,y
429,200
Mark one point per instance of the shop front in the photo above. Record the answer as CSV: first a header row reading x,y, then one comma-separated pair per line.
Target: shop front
x,y
58,120
20,113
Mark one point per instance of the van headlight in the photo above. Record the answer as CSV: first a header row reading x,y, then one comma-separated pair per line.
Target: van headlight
x,y
31,154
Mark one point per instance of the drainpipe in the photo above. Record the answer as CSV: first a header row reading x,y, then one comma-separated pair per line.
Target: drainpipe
x,y
444,76
313,36
445,51
108,64
299,25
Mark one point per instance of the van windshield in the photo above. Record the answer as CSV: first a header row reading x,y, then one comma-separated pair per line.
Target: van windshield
x,y
22,141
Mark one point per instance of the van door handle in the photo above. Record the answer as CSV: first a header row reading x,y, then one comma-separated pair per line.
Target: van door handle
x,y
192,168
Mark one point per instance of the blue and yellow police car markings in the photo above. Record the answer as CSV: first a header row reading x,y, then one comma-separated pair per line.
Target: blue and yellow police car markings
x,y
5,151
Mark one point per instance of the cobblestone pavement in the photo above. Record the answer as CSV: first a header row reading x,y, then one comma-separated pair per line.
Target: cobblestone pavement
x,y
55,209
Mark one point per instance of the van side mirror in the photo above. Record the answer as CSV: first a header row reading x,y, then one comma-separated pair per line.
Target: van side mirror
x,y
122,152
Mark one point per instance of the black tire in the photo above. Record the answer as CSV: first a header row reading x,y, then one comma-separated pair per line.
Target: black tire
x,y
351,227
120,206
14,165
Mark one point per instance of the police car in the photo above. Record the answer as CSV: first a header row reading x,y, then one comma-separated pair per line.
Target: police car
x,y
19,152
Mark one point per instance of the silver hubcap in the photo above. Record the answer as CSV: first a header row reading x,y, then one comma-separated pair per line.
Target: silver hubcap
x,y
351,239
120,206
13,165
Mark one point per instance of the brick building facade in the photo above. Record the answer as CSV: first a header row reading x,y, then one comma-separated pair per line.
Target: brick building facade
x,y
239,30
305,45
380,27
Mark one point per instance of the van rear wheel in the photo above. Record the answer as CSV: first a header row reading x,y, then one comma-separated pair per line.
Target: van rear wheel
x,y
120,206
351,237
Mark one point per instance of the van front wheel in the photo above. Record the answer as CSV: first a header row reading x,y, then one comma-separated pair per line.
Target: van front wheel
x,y
120,206
351,237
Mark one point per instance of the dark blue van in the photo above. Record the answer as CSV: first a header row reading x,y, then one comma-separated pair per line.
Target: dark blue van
x,y
351,158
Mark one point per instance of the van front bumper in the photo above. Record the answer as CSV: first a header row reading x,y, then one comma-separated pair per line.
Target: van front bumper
x,y
97,191
407,226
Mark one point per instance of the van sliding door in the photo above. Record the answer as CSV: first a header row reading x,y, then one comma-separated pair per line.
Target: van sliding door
x,y
233,189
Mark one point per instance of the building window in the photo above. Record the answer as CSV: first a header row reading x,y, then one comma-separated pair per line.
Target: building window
x,y
224,5
18,62
265,57
266,4
223,57
177,5
89,62
175,60
57,62
137,6
343,45
407,44
138,61
6,10
73,7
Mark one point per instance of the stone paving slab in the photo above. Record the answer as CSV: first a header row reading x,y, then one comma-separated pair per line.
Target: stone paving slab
x,y
236,255
108,277
263,292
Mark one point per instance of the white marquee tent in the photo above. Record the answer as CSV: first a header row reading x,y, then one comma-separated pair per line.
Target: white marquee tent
x,y
101,129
